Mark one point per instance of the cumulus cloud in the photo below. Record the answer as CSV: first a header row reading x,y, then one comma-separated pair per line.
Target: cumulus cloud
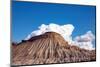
x,y
64,30
85,41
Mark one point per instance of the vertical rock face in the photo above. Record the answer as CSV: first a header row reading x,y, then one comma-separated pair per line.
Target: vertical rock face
x,y
48,48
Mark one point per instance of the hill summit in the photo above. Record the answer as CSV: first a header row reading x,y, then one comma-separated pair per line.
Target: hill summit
x,y
47,48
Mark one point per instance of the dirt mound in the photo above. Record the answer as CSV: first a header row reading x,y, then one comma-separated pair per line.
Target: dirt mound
x,y
48,48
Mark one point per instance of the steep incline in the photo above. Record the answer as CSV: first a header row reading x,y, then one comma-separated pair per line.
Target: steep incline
x,y
48,48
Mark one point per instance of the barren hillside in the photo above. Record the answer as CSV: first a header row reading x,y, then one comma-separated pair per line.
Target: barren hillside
x,y
48,48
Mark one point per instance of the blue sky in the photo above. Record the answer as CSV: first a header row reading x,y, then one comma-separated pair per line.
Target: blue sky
x,y
27,16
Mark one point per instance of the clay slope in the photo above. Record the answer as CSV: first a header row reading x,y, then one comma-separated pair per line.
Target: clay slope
x,y
48,48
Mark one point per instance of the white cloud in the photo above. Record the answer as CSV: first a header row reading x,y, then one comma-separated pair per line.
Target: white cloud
x,y
85,41
64,30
